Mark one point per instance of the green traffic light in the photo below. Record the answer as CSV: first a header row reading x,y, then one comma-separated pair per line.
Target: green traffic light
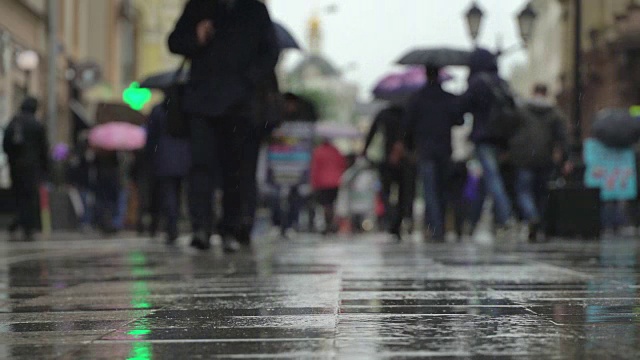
x,y
635,111
136,97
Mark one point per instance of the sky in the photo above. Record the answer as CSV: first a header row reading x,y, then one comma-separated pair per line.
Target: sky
x,y
364,38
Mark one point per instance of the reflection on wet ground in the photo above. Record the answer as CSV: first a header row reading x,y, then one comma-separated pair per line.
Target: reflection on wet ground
x,y
321,298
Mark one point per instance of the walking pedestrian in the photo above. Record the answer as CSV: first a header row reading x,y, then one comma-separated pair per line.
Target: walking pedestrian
x,y
170,159
108,190
233,52
327,167
532,149
480,101
26,146
431,114
298,127
400,174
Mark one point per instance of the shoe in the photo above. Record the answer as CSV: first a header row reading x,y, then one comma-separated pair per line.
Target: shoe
x,y
200,241
534,228
230,245
507,231
172,238
28,237
244,237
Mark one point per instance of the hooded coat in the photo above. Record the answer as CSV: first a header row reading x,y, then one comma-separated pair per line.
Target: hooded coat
x,y
542,131
478,99
25,142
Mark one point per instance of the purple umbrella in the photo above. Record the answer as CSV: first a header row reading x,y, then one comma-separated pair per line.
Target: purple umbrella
x,y
400,86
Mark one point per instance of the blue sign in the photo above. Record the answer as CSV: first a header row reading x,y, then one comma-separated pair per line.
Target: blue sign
x,y
611,170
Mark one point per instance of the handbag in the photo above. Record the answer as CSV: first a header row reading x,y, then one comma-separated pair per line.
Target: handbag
x,y
177,119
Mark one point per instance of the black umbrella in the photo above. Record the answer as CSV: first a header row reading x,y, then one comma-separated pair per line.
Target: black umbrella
x,y
437,57
285,39
616,128
164,80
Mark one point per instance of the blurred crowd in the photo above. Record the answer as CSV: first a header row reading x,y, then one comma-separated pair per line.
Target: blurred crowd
x,y
225,143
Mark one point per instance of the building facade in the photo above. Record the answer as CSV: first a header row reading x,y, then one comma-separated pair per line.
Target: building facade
x,y
610,41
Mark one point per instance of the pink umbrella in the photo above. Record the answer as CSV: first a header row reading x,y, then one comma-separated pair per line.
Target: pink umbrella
x,y
398,86
118,136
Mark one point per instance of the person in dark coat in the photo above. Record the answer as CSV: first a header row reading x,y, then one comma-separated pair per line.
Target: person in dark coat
x,y
532,153
108,188
26,146
478,100
402,175
233,52
431,114
170,159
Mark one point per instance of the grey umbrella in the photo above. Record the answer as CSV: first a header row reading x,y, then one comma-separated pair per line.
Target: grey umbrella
x,y
285,39
616,128
436,56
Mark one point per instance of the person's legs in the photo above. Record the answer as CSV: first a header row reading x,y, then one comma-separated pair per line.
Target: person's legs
x,y
433,224
26,193
170,187
231,136
250,155
397,215
525,186
294,204
201,181
487,155
386,180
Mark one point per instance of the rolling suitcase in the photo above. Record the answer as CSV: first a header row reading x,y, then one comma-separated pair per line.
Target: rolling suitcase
x,y
573,211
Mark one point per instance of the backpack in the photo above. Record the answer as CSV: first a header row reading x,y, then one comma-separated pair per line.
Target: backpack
x,y
505,116
532,145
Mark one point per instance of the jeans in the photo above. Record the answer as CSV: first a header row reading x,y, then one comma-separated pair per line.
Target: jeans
x,y
287,212
434,178
88,199
613,215
532,192
487,154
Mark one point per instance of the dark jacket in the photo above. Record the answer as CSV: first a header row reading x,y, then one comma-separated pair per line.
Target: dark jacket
x,y
431,114
543,130
169,156
25,143
478,100
240,57
389,122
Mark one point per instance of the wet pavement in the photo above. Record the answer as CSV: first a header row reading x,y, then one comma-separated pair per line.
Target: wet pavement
x,y
312,297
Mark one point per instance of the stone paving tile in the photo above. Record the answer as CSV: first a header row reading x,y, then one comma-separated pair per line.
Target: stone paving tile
x,y
343,298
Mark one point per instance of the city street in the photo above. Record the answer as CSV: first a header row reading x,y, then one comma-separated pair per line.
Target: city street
x,y
362,297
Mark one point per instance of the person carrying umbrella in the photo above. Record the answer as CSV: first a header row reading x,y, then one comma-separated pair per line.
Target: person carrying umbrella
x,y
25,143
389,122
481,103
542,134
233,51
431,114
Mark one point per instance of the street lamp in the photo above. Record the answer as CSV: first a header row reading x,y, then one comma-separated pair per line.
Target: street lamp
x,y
526,23
474,20
28,61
